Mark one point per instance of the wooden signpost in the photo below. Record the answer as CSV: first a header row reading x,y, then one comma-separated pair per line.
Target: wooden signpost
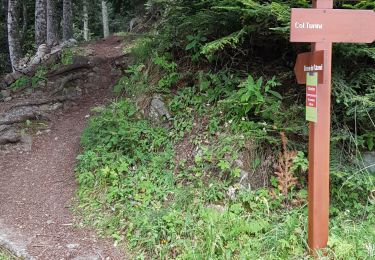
x,y
322,26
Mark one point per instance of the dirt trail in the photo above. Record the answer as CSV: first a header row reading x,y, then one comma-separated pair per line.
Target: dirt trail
x,y
37,187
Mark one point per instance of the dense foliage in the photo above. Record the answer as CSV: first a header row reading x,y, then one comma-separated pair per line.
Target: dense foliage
x,y
225,68
241,36
6,255
135,187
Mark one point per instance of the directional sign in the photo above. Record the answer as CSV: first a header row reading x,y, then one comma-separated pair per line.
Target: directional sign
x,y
309,62
332,25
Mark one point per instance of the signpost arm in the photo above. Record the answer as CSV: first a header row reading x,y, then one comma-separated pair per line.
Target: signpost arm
x,y
319,151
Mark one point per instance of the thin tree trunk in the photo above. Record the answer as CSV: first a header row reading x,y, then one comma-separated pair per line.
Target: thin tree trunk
x,y
40,22
52,36
85,21
4,49
4,4
13,34
24,22
67,20
105,19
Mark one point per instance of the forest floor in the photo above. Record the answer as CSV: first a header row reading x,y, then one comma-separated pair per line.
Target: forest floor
x,y
38,186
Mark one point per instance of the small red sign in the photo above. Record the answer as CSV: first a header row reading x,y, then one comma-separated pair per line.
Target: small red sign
x,y
311,101
311,90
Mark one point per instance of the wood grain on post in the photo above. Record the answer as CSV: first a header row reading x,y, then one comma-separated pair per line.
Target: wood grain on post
x,y
319,148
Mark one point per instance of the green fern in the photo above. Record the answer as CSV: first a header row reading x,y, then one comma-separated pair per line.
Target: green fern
x,y
219,44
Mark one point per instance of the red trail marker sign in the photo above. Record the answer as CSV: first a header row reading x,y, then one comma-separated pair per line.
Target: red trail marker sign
x,y
322,26
309,62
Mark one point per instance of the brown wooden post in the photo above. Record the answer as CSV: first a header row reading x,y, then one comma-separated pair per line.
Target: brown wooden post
x,y
319,150
323,25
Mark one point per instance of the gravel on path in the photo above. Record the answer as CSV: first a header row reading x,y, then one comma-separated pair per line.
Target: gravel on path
x,y
37,188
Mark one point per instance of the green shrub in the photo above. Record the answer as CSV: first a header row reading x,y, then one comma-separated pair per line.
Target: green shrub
x,y
22,82
132,188
67,56
135,187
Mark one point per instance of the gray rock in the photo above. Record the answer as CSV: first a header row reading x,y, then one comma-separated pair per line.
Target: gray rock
x,y
72,246
12,77
3,85
95,61
27,142
96,70
41,84
35,61
23,63
42,50
68,43
244,176
7,99
239,163
198,151
9,134
369,161
38,57
46,58
91,74
232,192
88,257
56,49
4,128
158,110
218,208
5,93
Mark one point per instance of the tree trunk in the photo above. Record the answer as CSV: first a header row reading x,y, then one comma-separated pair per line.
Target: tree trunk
x,y
13,34
40,22
24,22
52,36
105,19
85,21
67,20
5,5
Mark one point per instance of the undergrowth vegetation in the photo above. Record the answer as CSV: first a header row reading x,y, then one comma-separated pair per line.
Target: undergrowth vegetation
x,y
6,255
226,176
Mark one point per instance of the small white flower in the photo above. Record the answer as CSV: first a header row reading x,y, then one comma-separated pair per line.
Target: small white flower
x,y
370,249
232,193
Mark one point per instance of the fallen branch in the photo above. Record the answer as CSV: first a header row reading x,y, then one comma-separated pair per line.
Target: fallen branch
x,y
9,134
79,62
40,102
21,114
